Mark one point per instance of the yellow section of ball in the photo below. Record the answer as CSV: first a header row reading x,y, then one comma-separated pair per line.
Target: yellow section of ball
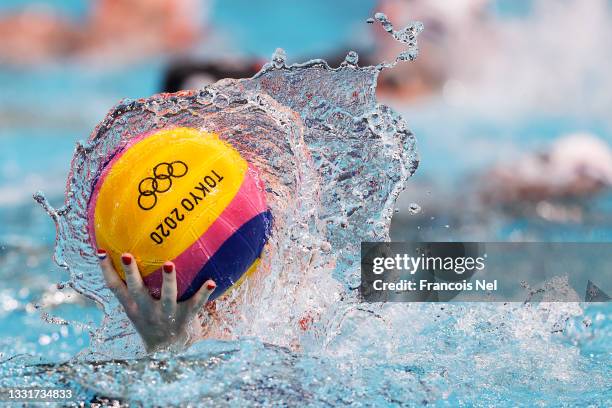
x,y
162,193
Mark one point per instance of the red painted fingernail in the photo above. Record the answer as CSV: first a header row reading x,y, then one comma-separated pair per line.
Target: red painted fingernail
x,y
211,286
168,267
101,254
126,259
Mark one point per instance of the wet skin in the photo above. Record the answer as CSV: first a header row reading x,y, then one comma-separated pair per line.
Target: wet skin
x,y
162,322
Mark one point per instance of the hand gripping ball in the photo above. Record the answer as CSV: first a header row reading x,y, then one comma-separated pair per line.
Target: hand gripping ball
x,y
182,195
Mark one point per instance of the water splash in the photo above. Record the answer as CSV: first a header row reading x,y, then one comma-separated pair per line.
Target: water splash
x,y
414,208
334,161
407,35
269,135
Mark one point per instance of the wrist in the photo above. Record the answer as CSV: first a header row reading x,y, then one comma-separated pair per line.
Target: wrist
x,y
166,341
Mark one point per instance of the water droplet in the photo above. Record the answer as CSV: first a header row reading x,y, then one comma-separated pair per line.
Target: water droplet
x,y
220,101
384,21
204,98
352,58
414,208
278,58
407,35
44,340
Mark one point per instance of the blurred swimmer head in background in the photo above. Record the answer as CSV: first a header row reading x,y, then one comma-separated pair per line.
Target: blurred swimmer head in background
x,y
575,166
112,29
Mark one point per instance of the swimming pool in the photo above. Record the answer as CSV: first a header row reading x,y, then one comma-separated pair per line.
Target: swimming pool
x,y
364,355
434,354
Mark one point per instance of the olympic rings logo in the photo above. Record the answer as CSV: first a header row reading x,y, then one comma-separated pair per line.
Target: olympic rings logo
x,y
163,173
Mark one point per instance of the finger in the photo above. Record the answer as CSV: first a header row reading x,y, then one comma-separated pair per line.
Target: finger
x,y
201,296
135,286
168,290
113,281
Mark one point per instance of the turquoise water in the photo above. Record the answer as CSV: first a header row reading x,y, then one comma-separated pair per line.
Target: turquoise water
x,y
382,355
